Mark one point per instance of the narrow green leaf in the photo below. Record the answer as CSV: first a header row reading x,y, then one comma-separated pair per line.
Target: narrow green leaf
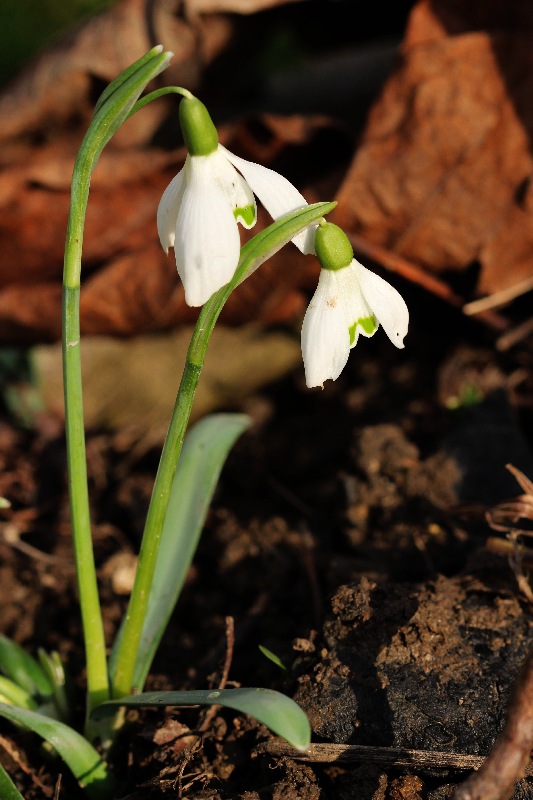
x,y
11,692
117,82
272,657
8,790
204,452
119,98
82,759
278,712
23,669
268,241
54,668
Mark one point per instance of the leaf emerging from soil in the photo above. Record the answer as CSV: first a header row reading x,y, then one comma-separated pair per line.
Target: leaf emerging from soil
x,y
82,759
204,452
275,710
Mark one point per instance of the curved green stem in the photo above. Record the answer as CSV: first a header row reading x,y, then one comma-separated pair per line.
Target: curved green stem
x,y
93,630
111,110
133,622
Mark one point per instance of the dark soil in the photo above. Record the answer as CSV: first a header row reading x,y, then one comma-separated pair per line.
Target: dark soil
x,y
347,535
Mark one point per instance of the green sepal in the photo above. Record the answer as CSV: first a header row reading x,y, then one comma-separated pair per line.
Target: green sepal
x,y
199,132
332,247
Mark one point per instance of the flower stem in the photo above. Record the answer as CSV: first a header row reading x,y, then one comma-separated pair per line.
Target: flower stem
x,y
253,253
134,619
93,631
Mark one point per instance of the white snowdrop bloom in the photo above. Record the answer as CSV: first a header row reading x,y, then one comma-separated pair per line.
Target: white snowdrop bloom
x,y
199,210
349,300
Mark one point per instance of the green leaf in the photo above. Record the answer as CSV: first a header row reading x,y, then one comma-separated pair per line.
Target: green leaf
x,y
11,692
8,790
23,669
119,81
204,452
267,242
83,760
61,689
272,657
118,99
275,710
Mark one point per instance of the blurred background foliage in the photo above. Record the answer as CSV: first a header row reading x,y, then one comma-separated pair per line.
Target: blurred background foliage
x,y
29,26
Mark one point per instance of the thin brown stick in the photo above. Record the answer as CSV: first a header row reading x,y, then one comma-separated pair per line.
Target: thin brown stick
x,y
230,643
510,756
388,756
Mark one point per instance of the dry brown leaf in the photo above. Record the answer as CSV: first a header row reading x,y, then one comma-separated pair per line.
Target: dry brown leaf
x,y
233,6
129,285
131,384
58,87
442,173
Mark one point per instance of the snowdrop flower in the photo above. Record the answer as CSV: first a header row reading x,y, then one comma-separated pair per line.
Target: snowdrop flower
x,y
349,300
199,210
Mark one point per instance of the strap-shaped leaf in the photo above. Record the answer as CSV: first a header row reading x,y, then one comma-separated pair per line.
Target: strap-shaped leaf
x,y
275,710
8,790
81,758
11,692
23,669
204,452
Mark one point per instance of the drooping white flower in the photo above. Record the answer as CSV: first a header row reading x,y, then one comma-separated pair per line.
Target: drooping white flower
x,y
349,300
199,210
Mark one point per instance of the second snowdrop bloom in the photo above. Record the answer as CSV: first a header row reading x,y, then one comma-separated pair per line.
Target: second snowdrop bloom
x,y
349,301
199,210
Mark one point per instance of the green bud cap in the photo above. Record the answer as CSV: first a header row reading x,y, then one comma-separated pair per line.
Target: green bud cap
x,y
333,247
201,137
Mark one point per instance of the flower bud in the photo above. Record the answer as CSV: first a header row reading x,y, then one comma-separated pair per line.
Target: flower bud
x,y
199,132
333,247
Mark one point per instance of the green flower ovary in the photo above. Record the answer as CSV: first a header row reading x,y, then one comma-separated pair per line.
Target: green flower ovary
x,y
368,324
199,132
332,247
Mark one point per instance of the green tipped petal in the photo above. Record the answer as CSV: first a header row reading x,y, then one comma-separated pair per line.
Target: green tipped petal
x,y
201,137
369,326
333,247
246,215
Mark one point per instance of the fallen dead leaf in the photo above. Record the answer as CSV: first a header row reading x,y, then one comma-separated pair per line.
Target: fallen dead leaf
x,y
442,174
131,384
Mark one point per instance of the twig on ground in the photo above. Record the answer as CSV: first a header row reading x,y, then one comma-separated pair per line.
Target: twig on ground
x,y
14,754
387,756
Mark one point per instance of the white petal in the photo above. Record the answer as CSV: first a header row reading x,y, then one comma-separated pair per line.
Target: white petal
x,y
207,244
360,317
387,304
325,334
277,194
239,195
168,209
